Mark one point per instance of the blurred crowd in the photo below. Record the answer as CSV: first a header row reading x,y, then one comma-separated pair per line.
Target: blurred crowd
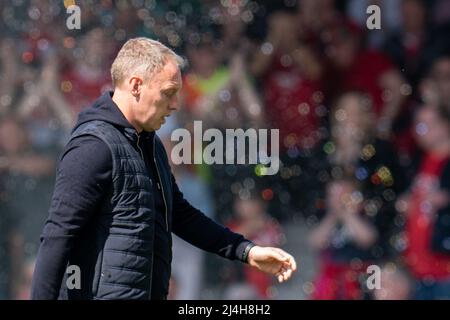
x,y
364,120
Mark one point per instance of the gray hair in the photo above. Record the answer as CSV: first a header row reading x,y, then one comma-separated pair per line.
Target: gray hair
x,y
141,56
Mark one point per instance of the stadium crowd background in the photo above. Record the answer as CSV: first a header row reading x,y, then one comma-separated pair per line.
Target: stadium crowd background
x,y
364,134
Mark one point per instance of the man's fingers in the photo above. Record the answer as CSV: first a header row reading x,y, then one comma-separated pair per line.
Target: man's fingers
x,y
280,278
278,255
287,267
288,273
284,274
292,262
288,258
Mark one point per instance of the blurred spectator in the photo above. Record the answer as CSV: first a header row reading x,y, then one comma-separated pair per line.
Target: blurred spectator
x,y
435,88
356,152
42,102
419,49
126,20
317,18
87,72
27,181
353,67
223,97
409,46
252,221
343,235
428,254
233,29
290,74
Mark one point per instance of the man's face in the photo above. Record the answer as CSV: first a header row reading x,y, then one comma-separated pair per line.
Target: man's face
x,y
354,119
158,97
343,52
414,14
431,130
441,78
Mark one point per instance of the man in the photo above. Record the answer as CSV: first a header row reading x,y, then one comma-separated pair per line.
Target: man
x,y
116,202
427,207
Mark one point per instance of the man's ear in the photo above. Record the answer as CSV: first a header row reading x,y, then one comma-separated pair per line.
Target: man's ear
x,y
136,85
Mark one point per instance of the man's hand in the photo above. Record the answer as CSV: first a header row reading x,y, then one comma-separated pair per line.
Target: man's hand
x,y
272,260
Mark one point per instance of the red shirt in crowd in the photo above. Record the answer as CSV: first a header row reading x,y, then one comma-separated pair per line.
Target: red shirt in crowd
x,y
269,235
422,261
81,89
291,102
365,75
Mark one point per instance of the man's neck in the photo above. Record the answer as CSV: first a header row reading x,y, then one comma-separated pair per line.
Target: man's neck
x,y
122,103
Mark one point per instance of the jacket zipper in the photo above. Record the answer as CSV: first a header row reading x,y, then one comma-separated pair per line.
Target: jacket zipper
x,y
139,147
161,185
151,267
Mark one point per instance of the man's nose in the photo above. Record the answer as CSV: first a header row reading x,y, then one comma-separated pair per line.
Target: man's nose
x,y
175,103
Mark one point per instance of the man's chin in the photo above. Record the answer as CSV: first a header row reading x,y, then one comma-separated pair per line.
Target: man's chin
x,y
158,126
155,125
